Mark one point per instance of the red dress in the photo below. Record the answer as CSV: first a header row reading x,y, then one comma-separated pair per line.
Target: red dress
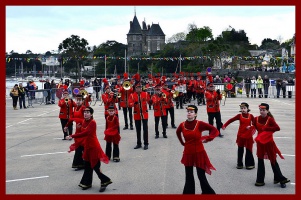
x,y
111,132
244,135
194,153
92,149
266,147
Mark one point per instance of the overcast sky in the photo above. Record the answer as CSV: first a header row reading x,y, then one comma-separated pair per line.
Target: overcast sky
x,y
43,28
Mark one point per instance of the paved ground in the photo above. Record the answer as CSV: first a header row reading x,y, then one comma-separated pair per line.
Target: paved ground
x,y
37,161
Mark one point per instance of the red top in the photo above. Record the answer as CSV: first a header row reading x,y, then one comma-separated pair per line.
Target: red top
x,y
159,104
194,153
92,149
266,147
213,101
108,100
140,105
244,135
78,118
66,109
125,101
112,129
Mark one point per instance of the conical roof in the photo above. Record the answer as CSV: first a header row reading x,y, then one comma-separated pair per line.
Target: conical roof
x,y
135,27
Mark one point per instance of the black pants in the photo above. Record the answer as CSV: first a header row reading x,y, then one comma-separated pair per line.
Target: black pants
x,y
189,187
88,174
15,101
266,92
200,98
70,128
179,101
109,150
218,119
260,93
171,111
78,161
126,116
249,159
261,172
163,122
247,91
145,131
284,92
253,92
48,97
22,101
289,94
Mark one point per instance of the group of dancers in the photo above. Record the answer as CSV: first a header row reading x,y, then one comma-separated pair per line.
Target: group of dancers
x,y
135,100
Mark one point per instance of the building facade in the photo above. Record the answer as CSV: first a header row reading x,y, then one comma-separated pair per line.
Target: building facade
x,y
145,40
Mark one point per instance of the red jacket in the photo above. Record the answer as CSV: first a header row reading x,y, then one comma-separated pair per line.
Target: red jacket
x,y
125,101
66,109
212,101
200,86
169,97
159,104
108,100
140,105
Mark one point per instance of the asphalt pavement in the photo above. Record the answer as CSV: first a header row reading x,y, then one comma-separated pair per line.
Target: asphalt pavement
x,y
37,161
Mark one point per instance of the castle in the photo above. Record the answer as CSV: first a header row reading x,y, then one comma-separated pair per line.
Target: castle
x,y
149,39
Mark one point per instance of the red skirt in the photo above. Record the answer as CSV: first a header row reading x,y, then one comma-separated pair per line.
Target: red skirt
x,y
199,159
245,142
113,138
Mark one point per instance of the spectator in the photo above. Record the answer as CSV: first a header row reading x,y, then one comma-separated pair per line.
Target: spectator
x,y
217,79
47,87
226,79
253,87
247,83
266,85
283,87
22,92
15,94
52,91
96,84
290,84
278,86
259,86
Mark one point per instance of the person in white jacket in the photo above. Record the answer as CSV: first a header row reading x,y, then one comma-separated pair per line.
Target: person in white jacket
x,y
253,87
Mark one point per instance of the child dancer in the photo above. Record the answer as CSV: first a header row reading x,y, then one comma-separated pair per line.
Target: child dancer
x,y
244,136
112,134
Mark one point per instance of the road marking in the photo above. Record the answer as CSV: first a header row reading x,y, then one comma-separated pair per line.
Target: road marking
x,y
25,179
288,155
42,154
21,122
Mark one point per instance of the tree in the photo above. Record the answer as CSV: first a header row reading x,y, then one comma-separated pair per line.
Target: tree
x,y
75,48
177,37
198,34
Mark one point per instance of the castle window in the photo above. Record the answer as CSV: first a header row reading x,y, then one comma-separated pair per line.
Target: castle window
x,y
158,45
134,37
148,46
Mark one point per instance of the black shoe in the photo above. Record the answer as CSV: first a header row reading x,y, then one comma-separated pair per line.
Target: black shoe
x,y
220,135
64,139
259,184
79,168
116,159
250,167
284,181
173,126
165,136
182,108
145,147
84,187
104,186
157,136
137,146
132,128
125,128
239,167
